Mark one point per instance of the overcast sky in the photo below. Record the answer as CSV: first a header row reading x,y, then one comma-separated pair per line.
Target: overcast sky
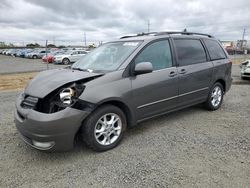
x,y
103,20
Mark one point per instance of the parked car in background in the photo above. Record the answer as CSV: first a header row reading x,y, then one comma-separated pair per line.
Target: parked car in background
x,y
9,51
4,52
26,52
49,58
245,69
120,84
69,57
14,52
1,50
37,54
21,53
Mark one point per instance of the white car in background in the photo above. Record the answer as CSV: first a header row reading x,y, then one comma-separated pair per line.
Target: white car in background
x,y
245,69
69,57
37,54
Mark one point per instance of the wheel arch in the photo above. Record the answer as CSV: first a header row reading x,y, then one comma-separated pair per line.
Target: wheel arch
x,y
124,107
222,82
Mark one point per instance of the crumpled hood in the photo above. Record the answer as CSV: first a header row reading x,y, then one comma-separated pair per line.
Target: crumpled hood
x,y
47,81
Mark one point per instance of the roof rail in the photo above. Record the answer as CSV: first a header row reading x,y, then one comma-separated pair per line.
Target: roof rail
x,y
167,33
139,34
183,33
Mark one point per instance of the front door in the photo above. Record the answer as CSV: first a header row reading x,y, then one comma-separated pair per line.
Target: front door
x,y
155,92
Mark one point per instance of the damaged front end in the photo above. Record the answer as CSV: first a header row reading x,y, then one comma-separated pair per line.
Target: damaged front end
x,y
50,118
61,98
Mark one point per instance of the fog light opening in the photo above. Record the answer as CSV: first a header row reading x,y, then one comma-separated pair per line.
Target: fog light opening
x,y
43,145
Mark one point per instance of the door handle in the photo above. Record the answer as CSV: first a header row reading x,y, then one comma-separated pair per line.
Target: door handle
x,y
172,74
182,71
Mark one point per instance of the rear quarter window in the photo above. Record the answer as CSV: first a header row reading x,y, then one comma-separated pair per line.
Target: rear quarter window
x,y
189,51
214,49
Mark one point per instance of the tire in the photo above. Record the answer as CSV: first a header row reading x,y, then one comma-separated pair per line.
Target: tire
x,y
34,57
215,97
66,61
93,132
243,78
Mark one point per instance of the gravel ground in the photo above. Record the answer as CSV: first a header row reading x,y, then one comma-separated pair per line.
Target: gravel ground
x,y
10,64
188,148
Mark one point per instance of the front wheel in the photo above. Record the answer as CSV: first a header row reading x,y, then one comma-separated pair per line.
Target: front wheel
x,y
215,97
34,57
104,128
66,61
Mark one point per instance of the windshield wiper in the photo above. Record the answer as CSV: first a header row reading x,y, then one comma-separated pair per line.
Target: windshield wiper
x,y
86,70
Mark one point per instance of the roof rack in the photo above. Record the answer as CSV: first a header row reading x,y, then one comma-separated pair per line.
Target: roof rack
x,y
167,33
183,33
139,34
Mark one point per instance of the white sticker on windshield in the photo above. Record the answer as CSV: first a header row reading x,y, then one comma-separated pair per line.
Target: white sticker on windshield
x,y
130,44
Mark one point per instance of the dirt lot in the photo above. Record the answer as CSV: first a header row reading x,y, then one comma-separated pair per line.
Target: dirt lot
x,y
15,81
189,148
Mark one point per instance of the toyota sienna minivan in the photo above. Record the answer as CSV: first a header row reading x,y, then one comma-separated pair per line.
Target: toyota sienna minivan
x,y
120,84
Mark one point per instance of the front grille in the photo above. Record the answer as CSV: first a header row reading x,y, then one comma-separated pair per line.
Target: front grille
x,y
247,74
29,102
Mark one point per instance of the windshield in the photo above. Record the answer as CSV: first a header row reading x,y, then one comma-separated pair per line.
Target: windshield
x,y
107,57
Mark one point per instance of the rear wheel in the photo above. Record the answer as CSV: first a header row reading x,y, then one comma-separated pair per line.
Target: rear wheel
x,y
215,97
104,128
66,61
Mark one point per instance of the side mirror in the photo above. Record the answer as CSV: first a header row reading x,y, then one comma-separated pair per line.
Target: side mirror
x,y
143,68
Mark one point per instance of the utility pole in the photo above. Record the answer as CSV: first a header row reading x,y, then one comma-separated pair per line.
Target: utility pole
x,y
46,46
243,37
85,40
148,26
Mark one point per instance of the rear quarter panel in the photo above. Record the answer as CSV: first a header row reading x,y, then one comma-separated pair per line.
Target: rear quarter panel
x,y
222,71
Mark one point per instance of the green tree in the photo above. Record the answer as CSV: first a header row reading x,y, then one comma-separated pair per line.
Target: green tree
x,y
31,45
51,46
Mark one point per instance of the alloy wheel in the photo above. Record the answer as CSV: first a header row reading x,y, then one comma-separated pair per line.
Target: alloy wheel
x,y
216,96
108,129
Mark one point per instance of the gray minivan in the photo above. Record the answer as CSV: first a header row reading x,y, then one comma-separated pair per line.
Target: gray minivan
x,y
120,84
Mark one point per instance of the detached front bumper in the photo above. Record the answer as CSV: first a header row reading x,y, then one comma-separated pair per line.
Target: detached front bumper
x,y
50,132
245,72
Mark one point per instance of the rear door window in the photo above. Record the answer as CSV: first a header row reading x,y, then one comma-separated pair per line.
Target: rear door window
x,y
189,51
214,49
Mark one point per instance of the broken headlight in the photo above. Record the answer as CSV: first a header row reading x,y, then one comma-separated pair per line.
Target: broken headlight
x,y
67,95
61,98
